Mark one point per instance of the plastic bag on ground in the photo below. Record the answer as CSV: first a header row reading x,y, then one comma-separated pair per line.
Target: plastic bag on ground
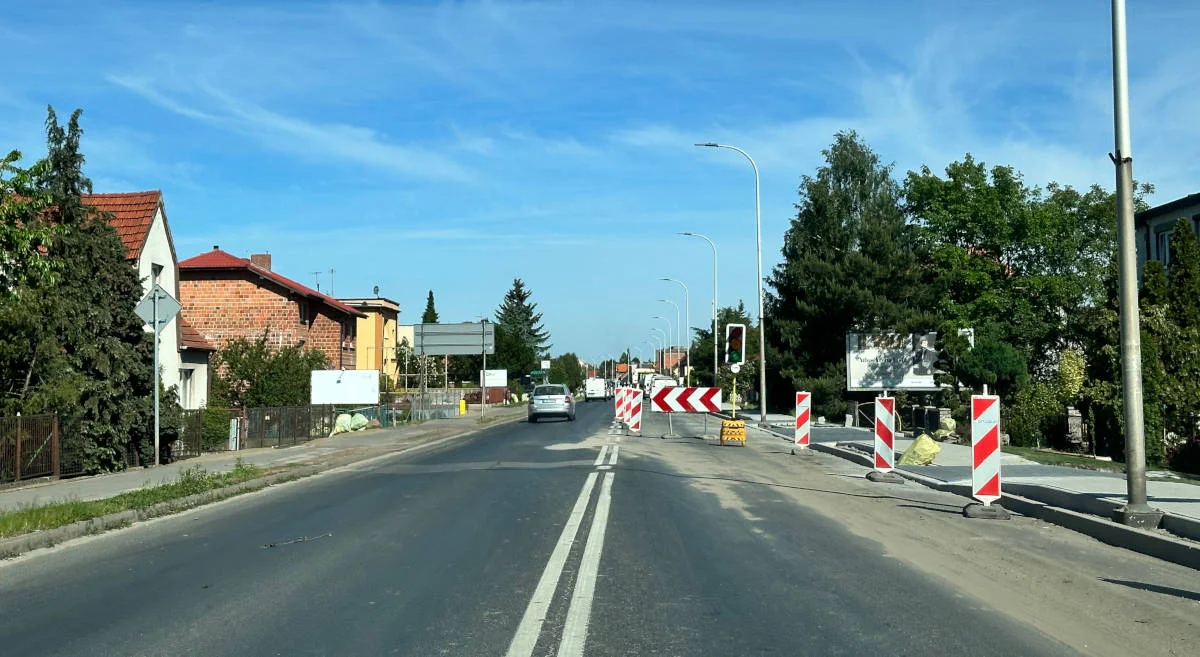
x,y
358,422
922,451
341,424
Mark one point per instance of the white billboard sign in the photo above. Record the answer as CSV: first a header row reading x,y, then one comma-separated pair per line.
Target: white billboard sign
x,y
345,387
495,378
891,361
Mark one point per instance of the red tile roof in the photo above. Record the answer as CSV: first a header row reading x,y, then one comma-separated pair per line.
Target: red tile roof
x,y
190,338
218,260
131,213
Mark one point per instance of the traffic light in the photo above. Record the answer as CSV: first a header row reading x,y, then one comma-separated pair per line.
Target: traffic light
x,y
735,343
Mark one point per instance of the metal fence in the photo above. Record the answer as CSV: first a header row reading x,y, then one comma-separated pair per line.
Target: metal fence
x,y
286,425
207,430
29,447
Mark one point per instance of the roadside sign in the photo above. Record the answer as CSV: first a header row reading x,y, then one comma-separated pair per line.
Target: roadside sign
x,y
167,307
680,399
494,378
545,364
985,448
885,435
803,419
735,368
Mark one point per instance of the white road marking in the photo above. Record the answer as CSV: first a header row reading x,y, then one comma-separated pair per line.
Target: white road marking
x,y
525,640
603,451
580,611
612,455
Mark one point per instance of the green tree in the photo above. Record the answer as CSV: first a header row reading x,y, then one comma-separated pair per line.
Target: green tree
x,y
520,338
430,316
250,374
1179,340
1155,287
73,344
566,369
851,262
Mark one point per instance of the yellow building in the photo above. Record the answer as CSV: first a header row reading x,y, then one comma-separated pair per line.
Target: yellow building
x,y
377,335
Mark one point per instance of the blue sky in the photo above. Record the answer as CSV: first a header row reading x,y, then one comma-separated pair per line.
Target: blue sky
x,y
454,146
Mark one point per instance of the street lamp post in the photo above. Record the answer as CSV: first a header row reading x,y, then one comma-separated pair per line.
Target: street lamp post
x,y
678,329
662,343
687,327
714,302
762,331
1137,511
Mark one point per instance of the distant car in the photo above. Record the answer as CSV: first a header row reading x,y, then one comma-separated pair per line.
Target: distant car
x,y
551,400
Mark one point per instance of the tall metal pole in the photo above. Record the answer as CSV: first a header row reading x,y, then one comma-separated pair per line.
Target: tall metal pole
x,y
483,374
678,331
716,358
762,324
687,323
1136,510
157,319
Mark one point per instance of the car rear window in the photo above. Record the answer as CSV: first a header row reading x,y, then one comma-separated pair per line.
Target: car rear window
x,y
548,390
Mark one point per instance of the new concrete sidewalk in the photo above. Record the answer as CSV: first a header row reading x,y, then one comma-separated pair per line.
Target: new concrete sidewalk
x,y
369,443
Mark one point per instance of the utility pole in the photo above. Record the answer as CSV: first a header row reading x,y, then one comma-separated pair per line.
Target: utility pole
x,y
1136,512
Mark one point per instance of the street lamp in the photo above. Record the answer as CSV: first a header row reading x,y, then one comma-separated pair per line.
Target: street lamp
x,y
678,327
687,327
762,331
714,306
662,342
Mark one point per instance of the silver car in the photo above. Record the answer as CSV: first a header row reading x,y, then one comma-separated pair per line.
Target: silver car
x,y
551,400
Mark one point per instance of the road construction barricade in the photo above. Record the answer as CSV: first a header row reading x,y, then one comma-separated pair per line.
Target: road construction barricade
x,y
733,431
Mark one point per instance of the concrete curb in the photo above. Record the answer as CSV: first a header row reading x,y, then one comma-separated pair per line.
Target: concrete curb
x,y
1155,543
17,545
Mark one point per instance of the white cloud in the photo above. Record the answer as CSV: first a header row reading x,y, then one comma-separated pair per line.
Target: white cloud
x,y
341,142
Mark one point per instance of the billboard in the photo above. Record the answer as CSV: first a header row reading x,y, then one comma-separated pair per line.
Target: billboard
x,y
891,361
345,387
461,339
494,378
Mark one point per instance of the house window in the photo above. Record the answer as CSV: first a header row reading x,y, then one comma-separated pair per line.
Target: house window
x,y
185,387
156,271
302,309
1162,246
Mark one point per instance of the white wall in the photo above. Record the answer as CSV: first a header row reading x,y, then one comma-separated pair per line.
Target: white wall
x,y
157,250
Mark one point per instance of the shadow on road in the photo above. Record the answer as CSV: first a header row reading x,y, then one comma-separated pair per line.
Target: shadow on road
x,y
1165,590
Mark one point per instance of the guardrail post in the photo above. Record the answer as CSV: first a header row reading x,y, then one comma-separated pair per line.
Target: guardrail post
x,y
55,450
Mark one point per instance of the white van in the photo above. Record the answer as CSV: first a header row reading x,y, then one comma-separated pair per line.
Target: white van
x,y
595,388
659,382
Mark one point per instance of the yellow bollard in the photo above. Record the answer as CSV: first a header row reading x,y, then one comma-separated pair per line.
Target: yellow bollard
x,y
462,407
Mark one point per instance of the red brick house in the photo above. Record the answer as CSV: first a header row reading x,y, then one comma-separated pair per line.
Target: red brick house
x,y
226,297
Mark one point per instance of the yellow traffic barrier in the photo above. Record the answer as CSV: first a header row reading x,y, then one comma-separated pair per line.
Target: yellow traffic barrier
x,y
462,407
733,431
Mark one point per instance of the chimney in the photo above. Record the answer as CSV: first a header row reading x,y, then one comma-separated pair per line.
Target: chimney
x,y
261,260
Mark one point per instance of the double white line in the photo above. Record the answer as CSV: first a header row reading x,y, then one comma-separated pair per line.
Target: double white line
x,y
580,610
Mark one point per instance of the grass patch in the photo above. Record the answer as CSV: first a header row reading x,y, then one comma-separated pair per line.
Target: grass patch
x,y
191,481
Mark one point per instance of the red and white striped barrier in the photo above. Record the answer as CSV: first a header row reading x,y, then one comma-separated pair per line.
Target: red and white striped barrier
x,y
679,399
985,448
803,419
635,410
885,434
619,401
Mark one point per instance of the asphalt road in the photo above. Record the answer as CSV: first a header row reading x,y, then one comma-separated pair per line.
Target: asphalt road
x,y
518,540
